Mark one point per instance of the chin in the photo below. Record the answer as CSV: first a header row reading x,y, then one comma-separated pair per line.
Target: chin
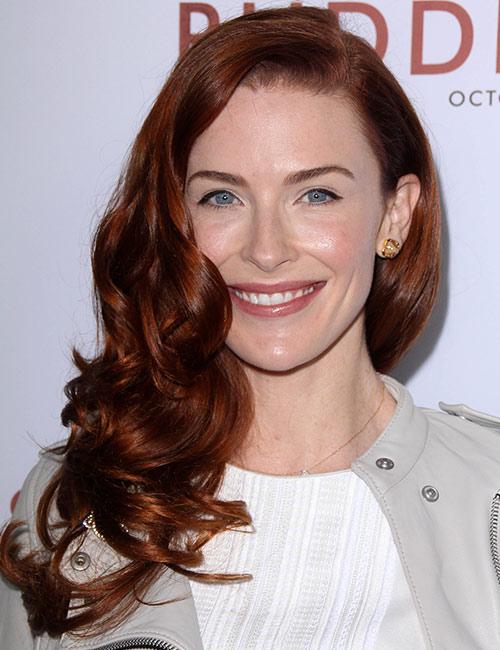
x,y
277,360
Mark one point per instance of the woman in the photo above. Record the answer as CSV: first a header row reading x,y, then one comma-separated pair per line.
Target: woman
x,y
270,252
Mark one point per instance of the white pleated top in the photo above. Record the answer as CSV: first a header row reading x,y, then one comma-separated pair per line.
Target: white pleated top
x,y
326,572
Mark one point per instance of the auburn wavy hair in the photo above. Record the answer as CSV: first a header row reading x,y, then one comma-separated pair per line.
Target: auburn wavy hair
x,y
163,405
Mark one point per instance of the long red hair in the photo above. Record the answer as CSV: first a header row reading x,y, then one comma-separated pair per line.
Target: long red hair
x,y
164,404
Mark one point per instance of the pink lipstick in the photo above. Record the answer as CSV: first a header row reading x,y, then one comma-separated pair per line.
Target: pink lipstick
x,y
249,299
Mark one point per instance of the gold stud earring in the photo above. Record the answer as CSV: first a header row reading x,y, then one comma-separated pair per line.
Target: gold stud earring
x,y
390,248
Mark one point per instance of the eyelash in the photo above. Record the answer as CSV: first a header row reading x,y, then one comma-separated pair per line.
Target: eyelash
x,y
204,200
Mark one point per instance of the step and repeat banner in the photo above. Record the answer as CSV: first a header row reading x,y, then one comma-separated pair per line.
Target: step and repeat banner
x,y
78,78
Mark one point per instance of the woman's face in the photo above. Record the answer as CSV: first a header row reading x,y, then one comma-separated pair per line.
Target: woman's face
x,y
283,187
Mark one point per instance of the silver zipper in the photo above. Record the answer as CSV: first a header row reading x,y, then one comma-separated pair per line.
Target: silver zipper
x,y
495,507
139,643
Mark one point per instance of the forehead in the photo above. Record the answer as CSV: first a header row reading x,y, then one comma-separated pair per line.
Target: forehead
x,y
283,126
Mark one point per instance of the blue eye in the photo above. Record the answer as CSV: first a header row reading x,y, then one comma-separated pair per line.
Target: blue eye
x,y
222,198
320,196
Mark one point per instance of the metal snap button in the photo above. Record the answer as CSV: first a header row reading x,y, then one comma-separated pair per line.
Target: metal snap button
x,y
80,561
384,463
430,493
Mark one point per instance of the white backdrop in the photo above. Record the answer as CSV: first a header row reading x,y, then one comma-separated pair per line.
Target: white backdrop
x,y
77,79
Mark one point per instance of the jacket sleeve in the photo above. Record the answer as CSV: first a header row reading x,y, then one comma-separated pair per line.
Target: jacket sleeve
x,y
14,628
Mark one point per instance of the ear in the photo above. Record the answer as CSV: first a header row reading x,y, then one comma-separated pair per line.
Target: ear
x,y
396,221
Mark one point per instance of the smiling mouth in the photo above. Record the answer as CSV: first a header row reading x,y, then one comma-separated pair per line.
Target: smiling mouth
x,y
278,298
277,304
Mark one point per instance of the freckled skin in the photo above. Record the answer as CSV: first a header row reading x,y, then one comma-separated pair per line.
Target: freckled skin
x,y
273,232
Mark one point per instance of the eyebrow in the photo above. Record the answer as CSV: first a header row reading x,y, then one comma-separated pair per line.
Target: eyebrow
x,y
292,179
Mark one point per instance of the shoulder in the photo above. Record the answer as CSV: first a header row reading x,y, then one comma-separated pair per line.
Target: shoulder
x,y
49,462
451,418
466,431
38,478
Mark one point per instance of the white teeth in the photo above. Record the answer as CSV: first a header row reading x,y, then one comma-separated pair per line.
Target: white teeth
x,y
265,298
276,298
273,298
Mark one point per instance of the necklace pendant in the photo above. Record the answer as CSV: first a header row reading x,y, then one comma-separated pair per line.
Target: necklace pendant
x,y
304,472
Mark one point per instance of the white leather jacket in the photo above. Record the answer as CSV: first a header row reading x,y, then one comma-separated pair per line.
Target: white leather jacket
x,y
436,476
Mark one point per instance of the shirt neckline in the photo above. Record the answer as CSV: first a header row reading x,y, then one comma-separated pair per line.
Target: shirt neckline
x,y
235,469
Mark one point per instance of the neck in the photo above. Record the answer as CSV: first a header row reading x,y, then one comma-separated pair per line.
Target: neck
x,y
304,414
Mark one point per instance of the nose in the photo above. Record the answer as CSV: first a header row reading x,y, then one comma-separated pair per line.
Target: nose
x,y
269,242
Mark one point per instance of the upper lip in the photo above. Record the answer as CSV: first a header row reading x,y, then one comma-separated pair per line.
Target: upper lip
x,y
278,287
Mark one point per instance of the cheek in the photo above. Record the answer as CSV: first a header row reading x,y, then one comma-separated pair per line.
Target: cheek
x,y
339,245
215,243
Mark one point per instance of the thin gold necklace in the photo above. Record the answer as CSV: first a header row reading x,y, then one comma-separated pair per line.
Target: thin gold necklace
x,y
306,471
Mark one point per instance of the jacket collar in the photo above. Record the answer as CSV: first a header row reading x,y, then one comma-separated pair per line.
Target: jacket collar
x,y
396,450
